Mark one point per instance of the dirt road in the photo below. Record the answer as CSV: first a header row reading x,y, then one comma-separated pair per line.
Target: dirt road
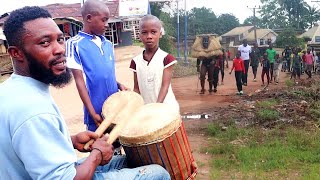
x,y
186,90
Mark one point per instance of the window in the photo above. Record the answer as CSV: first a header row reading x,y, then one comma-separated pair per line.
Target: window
x,y
126,25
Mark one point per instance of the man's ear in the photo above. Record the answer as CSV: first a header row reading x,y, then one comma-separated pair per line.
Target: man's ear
x,y
88,17
16,53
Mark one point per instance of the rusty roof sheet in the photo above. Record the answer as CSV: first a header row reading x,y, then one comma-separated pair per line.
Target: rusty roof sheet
x,y
60,10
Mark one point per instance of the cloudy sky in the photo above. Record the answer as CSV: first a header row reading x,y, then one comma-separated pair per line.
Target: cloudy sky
x,y
239,8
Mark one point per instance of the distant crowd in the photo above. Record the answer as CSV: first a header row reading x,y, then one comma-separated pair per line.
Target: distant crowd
x,y
294,60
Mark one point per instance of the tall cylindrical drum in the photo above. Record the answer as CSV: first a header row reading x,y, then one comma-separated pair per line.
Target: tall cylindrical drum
x,y
156,135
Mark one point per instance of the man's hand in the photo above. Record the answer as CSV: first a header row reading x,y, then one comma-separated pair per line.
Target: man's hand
x,y
106,149
80,139
230,72
227,65
97,119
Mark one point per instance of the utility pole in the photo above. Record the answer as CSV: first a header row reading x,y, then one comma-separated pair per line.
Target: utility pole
x,y
178,30
254,22
185,33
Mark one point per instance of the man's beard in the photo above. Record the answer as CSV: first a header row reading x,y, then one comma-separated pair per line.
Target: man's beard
x,y
40,73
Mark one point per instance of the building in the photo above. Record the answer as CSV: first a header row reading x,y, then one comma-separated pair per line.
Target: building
x,y
235,36
69,19
313,34
264,37
120,31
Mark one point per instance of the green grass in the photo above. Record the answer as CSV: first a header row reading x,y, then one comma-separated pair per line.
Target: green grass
x,y
181,69
266,110
289,83
267,115
137,43
267,104
264,152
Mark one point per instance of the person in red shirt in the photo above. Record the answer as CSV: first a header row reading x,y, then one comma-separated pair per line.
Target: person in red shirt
x,y
239,69
228,54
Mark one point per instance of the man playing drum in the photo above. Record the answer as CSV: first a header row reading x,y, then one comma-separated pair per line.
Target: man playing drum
x,y
35,143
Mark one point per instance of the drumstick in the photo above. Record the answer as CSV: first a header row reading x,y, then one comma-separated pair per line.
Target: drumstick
x,y
103,126
122,121
119,103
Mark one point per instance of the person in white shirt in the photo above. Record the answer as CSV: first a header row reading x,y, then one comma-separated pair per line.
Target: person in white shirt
x,y
245,50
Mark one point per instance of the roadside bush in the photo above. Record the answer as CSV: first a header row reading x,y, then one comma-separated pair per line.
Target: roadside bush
x,y
264,115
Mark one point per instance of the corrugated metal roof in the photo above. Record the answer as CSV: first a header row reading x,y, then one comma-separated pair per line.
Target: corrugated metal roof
x,y
311,33
260,34
60,10
238,30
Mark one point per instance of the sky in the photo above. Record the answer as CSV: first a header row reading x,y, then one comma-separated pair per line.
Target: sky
x,y
239,8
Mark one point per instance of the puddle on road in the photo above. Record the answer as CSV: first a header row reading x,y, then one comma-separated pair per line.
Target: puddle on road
x,y
195,116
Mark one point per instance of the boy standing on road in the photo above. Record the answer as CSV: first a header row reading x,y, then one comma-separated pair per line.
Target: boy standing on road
x,y
239,70
271,53
309,60
245,50
265,69
276,68
296,65
255,58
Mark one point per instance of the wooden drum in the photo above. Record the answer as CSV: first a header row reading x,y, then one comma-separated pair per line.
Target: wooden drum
x,y
156,135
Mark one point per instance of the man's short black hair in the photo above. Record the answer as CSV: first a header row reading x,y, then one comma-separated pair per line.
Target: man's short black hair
x,y
14,25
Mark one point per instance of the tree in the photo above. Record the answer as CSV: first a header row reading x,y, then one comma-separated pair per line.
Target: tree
x,y
312,15
156,8
201,21
225,23
250,22
288,13
288,37
273,15
165,42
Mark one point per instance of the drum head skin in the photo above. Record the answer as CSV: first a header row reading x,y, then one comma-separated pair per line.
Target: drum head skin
x,y
119,101
149,124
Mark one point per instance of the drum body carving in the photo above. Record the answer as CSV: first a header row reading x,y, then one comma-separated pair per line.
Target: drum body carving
x,y
156,135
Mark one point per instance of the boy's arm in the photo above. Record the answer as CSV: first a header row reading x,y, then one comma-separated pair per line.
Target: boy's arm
x,y
166,80
244,69
84,95
232,67
136,84
74,63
